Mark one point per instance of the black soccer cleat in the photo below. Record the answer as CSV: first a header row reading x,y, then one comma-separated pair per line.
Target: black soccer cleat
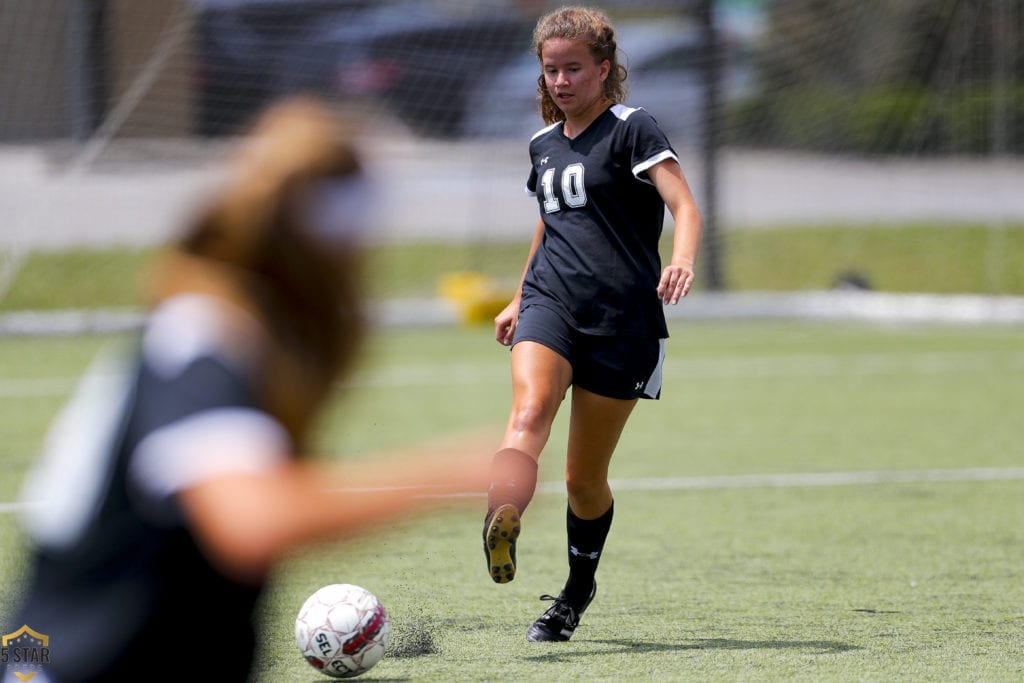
x,y
500,534
560,620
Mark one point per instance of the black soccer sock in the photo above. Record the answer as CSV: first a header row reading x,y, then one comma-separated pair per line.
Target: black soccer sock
x,y
513,480
586,542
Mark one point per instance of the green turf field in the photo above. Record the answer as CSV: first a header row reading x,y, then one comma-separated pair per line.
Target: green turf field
x,y
899,555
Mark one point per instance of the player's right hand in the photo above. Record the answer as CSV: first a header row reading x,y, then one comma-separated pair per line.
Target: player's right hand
x,y
505,323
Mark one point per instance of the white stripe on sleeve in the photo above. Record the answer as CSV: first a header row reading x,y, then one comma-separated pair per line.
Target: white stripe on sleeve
x,y
653,161
207,445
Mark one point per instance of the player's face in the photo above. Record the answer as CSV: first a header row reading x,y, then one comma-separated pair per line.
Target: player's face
x,y
572,77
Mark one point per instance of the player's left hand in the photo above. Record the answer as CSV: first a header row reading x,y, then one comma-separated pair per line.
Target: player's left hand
x,y
675,283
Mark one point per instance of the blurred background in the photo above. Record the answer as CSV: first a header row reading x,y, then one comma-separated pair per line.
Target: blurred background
x,y
865,144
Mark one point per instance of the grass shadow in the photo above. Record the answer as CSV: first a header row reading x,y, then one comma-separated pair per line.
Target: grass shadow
x,y
623,645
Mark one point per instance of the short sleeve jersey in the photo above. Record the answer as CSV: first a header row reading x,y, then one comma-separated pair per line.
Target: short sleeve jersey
x,y
598,264
116,573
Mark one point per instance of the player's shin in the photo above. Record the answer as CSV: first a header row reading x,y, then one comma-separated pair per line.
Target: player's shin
x,y
513,481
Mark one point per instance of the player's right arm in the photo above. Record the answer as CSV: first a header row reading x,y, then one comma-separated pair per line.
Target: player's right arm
x,y
245,521
505,322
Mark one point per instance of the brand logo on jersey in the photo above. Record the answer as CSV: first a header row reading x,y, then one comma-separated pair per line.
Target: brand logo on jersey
x,y
544,160
25,652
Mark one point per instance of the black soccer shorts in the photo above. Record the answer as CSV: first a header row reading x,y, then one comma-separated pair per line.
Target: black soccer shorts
x,y
613,366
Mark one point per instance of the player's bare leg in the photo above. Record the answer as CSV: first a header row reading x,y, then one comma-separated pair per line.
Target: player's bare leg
x,y
540,378
595,426
596,423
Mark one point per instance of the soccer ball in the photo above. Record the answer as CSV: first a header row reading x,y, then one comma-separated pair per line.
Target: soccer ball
x,y
342,630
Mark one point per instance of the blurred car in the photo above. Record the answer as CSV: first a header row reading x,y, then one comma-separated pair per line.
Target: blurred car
x,y
241,47
432,70
664,61
411,57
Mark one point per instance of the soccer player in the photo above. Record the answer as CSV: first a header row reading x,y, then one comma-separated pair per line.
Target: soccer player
x,y
167,491
588,314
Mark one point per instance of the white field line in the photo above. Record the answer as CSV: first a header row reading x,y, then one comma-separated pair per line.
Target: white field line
x,y
875,307
809,479
750,367
755,367
10,263
747,481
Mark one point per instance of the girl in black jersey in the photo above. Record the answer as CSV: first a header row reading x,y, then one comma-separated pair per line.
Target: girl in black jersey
x,y
589,312
167,491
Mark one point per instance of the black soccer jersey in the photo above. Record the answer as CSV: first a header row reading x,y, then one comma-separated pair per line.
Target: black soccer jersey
x,y
598,263
118,582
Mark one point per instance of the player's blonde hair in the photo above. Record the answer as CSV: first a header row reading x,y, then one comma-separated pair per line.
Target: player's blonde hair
x,y
591,27
261,244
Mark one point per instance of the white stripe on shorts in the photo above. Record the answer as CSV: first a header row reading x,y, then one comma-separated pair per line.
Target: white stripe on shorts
x,y
653,386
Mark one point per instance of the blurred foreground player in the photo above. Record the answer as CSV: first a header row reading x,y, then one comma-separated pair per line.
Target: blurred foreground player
x,y
589,312
167,491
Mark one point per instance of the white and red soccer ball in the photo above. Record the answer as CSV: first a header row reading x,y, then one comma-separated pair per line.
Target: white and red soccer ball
x,y
342,630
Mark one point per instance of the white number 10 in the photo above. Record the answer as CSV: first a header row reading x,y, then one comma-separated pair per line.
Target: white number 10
x,y
573,190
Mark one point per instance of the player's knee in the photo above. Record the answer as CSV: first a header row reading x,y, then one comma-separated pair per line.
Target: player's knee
x,y
532,417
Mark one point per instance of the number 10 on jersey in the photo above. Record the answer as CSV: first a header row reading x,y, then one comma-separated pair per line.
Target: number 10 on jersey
x,y
573,191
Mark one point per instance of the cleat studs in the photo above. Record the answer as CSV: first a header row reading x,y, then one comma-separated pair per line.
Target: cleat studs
x,y
500,534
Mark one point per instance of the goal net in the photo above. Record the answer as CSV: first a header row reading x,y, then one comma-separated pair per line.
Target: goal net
x,y
849,116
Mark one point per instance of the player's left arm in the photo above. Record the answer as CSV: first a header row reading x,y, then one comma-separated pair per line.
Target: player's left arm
x,y
677,277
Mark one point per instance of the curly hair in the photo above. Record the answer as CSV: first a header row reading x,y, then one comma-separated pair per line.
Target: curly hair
x,y
592,27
